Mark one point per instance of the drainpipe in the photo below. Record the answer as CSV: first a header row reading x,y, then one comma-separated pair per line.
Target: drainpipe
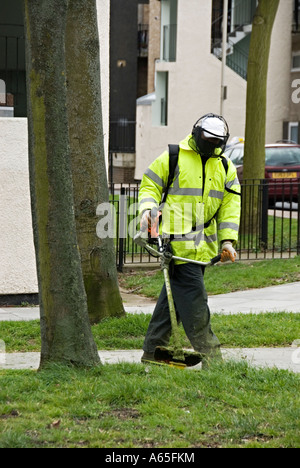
x,y
224,54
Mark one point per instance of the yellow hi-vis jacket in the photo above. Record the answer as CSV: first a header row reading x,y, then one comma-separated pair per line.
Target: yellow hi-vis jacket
x,y
195,199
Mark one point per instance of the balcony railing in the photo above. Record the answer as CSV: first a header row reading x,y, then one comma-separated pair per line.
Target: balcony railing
x,y
238,62
240,17
240,14
122,135
296,17
143,40
12,74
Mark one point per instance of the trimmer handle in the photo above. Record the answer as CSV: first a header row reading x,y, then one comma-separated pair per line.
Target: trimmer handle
x,y
215,259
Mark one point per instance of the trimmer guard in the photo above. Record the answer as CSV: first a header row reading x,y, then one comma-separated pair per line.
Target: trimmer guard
x,y
167,355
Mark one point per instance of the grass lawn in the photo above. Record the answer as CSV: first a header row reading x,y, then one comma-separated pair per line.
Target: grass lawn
x,y
131,405
242,331
222,278
230,405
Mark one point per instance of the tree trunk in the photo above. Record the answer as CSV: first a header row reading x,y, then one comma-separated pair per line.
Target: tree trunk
x,y
255,134
256,105
88,159
65,328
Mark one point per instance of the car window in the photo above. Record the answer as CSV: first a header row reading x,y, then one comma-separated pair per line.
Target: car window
x,y
283,156
227,152
237,156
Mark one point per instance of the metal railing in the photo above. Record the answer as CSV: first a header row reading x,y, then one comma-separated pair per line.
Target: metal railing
x,y
296,17
270,221
238,61
122,135
240,13
12,70
143,40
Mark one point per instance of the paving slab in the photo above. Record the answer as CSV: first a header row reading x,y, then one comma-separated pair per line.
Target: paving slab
x,y
280,358
284,297
19,313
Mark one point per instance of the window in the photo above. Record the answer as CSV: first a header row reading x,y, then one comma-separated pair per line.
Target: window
x,y
282,156
237,156
293,131
168,30
160,105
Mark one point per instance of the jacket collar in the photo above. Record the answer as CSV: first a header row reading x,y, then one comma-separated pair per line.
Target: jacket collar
x,y
184,144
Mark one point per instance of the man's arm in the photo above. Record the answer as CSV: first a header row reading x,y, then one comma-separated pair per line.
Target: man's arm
x,y
228,218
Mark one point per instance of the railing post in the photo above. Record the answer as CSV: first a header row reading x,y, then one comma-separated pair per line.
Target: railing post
x,y
264,214
298,220
122,227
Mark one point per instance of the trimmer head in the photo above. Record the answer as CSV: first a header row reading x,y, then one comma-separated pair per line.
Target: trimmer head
x,y
170,357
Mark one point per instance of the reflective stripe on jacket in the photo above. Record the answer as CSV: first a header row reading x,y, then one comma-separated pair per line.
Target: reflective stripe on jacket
x,y
195,197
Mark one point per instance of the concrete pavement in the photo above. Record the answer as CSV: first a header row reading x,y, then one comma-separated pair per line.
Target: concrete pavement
x,y
281,358
284,297
279,298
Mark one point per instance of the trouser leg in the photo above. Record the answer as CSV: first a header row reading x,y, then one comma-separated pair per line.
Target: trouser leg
x,y
191,301
192,309
159,330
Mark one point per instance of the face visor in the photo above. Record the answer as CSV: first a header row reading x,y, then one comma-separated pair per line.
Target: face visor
x,y
209,133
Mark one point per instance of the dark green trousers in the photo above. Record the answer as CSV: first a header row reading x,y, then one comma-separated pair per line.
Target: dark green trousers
x,y
192,310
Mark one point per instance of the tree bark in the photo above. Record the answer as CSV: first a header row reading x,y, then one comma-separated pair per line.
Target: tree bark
x,y
65,328
255,133
256,106
88,159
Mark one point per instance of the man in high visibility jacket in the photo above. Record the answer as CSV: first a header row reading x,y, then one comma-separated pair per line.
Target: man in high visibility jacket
x,y
200,213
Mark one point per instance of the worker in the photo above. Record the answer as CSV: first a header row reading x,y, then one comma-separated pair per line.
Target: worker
x,y
200,214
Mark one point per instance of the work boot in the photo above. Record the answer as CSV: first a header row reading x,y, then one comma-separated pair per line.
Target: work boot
x,y
147,357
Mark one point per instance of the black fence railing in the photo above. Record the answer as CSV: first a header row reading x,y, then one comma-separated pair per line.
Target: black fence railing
x,y
270,221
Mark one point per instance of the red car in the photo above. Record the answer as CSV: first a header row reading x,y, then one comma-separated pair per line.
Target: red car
x,y
282,170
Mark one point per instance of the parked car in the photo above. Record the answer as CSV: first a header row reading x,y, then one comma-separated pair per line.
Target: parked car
x,y
282,170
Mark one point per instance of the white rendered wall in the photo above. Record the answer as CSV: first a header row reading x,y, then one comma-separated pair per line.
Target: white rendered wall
x,y
17,255
279,93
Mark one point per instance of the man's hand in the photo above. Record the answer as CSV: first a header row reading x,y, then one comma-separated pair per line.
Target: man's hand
x,y
146,220
228,252
150,222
